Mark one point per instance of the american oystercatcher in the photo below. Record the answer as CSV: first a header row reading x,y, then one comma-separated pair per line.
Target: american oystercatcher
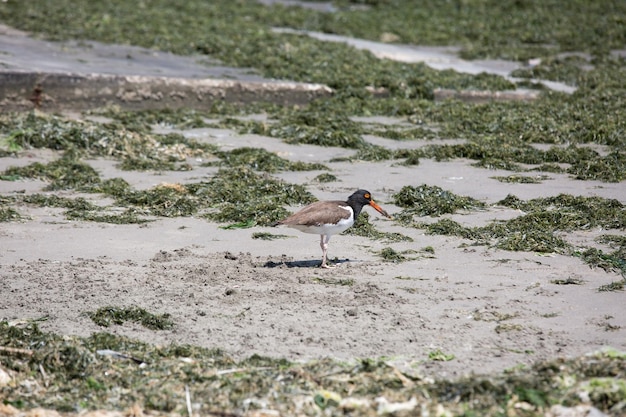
x,y
327,218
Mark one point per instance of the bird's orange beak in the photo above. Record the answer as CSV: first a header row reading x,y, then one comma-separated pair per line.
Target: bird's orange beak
x,y
379,209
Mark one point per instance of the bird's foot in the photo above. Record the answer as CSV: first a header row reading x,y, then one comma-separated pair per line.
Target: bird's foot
x,y
326,266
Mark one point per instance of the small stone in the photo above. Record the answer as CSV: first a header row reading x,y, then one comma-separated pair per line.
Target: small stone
x,y
5,378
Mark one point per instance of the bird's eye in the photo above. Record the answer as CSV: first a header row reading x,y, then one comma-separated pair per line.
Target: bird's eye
x,y
367,196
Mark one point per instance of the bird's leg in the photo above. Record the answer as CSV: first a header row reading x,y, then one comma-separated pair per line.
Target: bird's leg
x,y
324,246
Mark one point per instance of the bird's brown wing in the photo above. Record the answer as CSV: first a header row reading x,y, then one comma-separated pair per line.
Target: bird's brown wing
x,y
318,213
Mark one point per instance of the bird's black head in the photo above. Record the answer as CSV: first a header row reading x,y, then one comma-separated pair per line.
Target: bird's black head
x,y
362,198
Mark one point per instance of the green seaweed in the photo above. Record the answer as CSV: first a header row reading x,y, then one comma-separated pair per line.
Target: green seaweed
x,y
438,355
521,179
325,177
145,120
613,286
512,31
495,135
611,262
499,134
113,186
363,227
395,133
233,195
91,371
567,212
64,173
449,227
567,69
239,194
136,150
163,200
390,255
81,209
128,216
568,281
614,241
537,229
534,232
267,236
240,225
261,160
314,127
425,200
8,214
106,316
51,200
342,282
611,168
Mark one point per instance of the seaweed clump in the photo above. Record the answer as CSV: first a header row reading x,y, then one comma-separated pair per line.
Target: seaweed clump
x,y
613,261
241,195
566,212
539,229
91,372
363,227
426,200
521,179
106,316
261,160
390,255
8,214
232,195
135,150
268,236
325,177
545,218
165,200
64,173
500,134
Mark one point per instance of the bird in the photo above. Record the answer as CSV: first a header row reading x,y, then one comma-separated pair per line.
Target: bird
x,y
327,218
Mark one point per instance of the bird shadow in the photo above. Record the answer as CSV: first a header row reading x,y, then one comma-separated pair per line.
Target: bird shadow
x,y
303,264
